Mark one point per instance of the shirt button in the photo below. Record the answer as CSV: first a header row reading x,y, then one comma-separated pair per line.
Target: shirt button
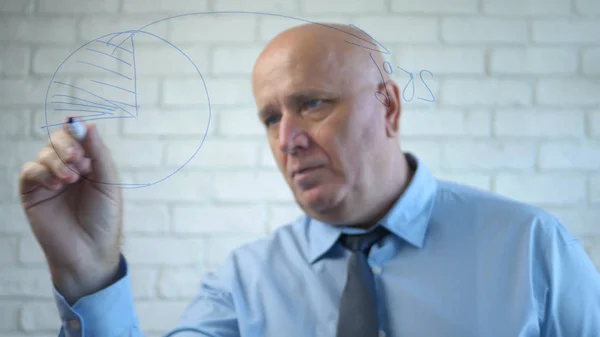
x,y
376,270
74,324
382,333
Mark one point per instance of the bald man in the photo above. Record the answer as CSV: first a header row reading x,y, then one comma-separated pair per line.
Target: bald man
x,y
383,249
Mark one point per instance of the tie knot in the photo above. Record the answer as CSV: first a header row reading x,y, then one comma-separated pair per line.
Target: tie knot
x,y
363,242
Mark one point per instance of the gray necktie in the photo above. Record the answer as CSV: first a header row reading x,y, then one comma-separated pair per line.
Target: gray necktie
x,y
358,306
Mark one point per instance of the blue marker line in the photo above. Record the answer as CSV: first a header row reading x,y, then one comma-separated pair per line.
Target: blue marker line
x,y
114,86
114,45
109,55
137,112
386,51
136,104
81,99
127,38
79,110
426,86
410,81
387,94
91,93
85,105
371,46
112,71
356,44
123,103
110,117
83,119
114,35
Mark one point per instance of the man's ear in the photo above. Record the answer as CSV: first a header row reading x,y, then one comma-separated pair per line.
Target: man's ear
x,y
392,108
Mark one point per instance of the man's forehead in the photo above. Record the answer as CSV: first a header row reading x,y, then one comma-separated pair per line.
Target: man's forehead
x,y
296,54
311,45
310,58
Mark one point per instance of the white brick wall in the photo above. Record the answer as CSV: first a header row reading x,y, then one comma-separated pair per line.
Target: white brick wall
x,y
494,92
539,123
435,6
446,60
484,30
516,81
594,124
526,7
14,60
567,31
534,61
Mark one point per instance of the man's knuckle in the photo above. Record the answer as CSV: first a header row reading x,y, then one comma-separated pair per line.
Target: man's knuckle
x,y
45,154
29,171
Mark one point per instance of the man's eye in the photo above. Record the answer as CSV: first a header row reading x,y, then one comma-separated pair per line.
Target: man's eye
x,y
270,120
312,104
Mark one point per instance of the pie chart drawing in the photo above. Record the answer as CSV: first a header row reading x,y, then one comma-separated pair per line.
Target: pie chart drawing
x,y
112,89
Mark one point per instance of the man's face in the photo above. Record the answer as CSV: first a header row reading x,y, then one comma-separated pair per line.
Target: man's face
x,y
322,121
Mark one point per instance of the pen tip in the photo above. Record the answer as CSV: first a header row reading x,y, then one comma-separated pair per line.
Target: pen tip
x,y
71,120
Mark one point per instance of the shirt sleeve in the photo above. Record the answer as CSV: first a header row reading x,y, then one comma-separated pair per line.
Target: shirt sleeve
x,y
108,312
571,285
111,311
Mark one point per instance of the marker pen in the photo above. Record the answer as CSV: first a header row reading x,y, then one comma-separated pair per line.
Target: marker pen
x,y
77,129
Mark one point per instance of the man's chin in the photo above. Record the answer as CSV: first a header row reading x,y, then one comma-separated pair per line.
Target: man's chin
x,y
317,199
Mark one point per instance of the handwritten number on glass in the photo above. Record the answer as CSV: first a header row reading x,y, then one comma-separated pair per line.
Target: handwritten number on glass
x,y
384,97
410,81
428,89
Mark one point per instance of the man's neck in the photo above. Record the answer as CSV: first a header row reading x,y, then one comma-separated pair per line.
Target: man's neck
x,y
392,189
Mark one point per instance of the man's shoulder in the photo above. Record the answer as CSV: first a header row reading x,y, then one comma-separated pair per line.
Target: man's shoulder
x,y
461,200
493,216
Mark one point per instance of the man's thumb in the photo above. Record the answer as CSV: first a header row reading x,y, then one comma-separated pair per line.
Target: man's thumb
x,y
103,167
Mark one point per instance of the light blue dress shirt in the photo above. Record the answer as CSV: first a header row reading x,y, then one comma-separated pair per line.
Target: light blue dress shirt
x,y
461,263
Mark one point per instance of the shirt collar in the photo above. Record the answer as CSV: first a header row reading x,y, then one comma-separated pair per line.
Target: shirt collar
x,y
408,218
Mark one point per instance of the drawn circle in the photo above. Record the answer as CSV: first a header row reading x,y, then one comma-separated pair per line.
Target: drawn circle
x,y
141,31
132,32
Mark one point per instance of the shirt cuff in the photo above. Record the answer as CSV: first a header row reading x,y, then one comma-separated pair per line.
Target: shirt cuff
x,y
108,312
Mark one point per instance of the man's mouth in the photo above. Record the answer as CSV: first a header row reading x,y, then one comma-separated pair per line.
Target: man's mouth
x,y
305,170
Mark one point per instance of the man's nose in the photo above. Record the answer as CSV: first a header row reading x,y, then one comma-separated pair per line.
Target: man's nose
x,y
292,134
